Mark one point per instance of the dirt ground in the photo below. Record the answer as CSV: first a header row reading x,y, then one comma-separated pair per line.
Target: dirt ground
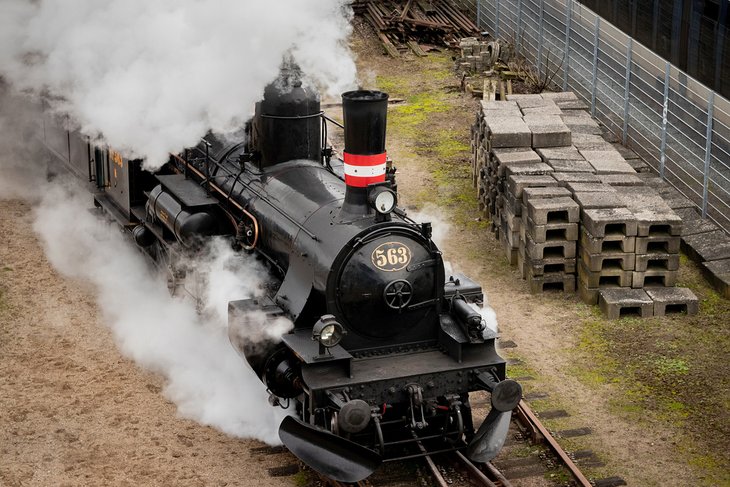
x,y
73,411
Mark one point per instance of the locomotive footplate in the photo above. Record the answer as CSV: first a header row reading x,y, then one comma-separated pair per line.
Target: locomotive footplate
x,y
376,381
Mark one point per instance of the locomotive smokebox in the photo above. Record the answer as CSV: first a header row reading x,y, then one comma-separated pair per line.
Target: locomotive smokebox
x,y
364,113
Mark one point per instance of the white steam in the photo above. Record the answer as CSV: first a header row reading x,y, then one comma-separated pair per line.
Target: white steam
x,y
152,77
206,378
441,232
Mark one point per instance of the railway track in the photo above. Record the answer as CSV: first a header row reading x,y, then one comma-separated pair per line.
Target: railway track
x,y
453,469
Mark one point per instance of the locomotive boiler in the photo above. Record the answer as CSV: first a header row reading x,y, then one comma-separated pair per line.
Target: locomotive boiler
x,y
385,348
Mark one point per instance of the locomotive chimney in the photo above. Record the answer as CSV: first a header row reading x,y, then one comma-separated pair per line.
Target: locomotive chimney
x,y
364,113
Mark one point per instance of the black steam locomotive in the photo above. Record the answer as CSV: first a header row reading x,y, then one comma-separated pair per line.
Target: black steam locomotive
x,y
385,349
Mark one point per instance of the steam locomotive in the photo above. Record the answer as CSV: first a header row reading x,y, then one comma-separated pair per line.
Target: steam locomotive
x,y
385,349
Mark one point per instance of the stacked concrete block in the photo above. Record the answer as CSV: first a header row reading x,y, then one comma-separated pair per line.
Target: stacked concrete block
x,y
571,210
476,55
658,237
548,239
607,246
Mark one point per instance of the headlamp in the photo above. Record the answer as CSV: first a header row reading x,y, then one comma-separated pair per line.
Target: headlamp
x,y
382,199
327,331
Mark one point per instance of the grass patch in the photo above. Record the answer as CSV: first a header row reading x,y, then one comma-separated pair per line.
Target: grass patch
x,y
671,369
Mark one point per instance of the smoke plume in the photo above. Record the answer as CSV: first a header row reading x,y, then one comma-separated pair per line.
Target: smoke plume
x,y
152,77
207,380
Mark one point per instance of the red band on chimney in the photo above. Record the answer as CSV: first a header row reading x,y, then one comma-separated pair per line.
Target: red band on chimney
x,y
361,170
361,160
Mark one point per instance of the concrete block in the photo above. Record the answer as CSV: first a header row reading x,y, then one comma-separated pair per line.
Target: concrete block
x,y
547,131
535,268
674,198
627,153
549,250
589,187
549,108
514,222
693,223
526,99
559,96
513,204
509,132
653,278
653,215
626,179
639,165
708,246
510,253
553,210
589,142
520,154
571,166
658,244
598,199
609,154
608,261
551,232
717,272
612,243
567,153
568,106
557,281
515,184
563,178
617,303
527,169
651,179
578,122
586,294
538,193
605,222
500,105
611,167
656,262
604,278
673,300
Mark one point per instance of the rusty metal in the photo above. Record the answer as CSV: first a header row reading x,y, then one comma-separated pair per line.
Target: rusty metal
x,y
399,23
524,411
478,474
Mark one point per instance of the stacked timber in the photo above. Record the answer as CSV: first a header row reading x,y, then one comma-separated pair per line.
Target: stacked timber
x,y
410,22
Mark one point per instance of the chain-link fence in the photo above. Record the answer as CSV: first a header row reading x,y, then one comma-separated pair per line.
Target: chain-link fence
x,y
679,126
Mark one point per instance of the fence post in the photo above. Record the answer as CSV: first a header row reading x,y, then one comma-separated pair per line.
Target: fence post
x,y
518,27
496,21
627,89
665,113
708,150
539,37
595,66
479,14
566,58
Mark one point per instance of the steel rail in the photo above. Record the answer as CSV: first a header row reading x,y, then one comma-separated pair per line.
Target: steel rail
x,y
526,413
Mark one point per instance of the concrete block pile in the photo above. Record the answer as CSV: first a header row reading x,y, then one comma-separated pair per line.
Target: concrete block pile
x,y
477,55
570,210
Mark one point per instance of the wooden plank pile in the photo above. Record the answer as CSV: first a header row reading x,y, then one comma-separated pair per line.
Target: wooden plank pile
x,y
410,22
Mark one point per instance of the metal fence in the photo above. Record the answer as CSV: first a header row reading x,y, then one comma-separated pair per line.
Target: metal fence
x,y
677,125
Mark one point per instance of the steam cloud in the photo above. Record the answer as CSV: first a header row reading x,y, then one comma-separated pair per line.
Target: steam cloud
x,y
207,380
152,77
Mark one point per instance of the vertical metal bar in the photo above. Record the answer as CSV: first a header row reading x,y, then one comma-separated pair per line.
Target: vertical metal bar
x,y
595,66
479,14
566,59
518,33
627,88
665,113
496,21
708,150
539,37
